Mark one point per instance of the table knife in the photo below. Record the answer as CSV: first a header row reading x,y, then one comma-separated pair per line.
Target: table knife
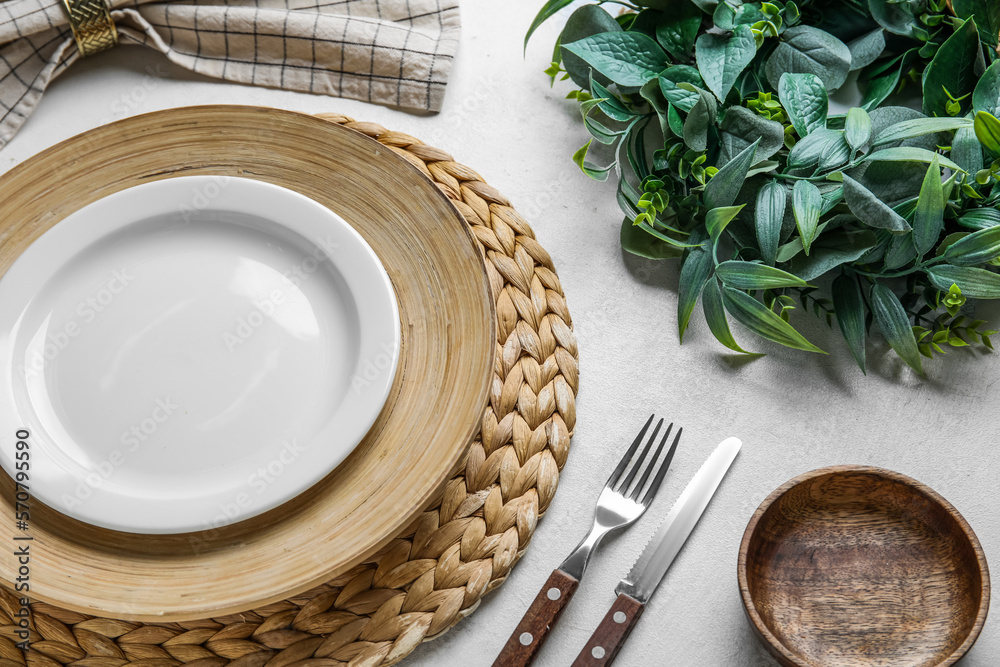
x,y
635,590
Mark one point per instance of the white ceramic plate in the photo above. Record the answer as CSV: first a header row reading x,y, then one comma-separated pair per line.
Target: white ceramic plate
x,y
192,352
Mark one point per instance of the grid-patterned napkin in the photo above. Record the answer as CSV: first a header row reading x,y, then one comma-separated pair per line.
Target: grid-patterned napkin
x,y
395,52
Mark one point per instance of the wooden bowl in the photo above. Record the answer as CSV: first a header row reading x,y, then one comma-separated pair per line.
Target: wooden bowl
x,y
854,566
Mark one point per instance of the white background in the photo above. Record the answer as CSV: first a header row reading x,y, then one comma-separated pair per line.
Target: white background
x,y
793,411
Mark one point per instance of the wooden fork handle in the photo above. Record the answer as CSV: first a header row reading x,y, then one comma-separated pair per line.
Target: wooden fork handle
x,y
609,636
534,628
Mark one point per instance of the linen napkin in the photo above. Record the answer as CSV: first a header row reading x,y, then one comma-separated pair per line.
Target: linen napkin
x,y
394,52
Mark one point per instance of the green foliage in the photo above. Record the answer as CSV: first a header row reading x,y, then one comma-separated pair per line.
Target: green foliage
x,y
714,115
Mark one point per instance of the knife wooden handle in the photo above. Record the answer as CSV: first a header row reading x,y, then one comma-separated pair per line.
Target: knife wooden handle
x,y
609,636
534,628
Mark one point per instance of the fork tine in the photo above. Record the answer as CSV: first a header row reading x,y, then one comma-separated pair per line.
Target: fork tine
x,y
655,485
652,464
624,486
630,453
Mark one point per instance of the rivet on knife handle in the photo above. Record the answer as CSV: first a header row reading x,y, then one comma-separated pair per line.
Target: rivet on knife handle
x,y
533,630
609,636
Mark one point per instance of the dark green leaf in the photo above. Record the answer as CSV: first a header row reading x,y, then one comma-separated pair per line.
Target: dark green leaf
x,y
804,98
890,318
953,67
986,96
676,123
910,154
850,310
638,242
584,22
810,50
695,272
857,128
918,127
865,49
721,58
627,58
725,185
696,125
900,251
826,147
987,15
987,128
677,29
650,91
883,83
928,219
831,250
966,150
751,276
980,218
681,98
976,248
806,204
612,107
871,210
768,216
741,127
974,283
715,316
755,316
894,17
545,13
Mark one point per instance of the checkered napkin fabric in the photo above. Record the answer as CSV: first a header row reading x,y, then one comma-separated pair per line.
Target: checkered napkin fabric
x,y
394,52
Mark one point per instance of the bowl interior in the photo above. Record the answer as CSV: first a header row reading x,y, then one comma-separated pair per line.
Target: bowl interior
x,y
859,568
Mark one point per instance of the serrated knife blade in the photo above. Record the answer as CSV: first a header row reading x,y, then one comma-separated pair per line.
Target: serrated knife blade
x,y
635,590
658,555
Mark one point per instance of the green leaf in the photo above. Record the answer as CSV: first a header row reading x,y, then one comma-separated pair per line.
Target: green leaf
x,y
850,310
695,272
857,128
755,316
980,218
821,147
966,150
832,249
677,29
612,107
725,185
721,58
900,251
986,96
591,170
696,125
974,283
805,49
679,97
545,13
806,205
752,276
918,127
987,128
638,242
871,210
804,98
584,22
627,58
890,318
741,127
928,219
884,82
953,68
717,219
866,49
987,16
768,216
976,248
676,123
893,17
715,316
910,154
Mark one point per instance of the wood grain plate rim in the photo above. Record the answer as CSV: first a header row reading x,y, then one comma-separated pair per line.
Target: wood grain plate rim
x,y
767,638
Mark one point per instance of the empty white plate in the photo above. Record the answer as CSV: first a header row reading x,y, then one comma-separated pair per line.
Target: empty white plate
x,y
191,352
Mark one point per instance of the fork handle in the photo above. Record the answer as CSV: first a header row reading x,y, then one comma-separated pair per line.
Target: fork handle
x,y
537,622
603,645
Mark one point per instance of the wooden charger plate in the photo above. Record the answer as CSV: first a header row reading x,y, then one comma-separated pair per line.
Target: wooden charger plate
x,y
420,437
849,566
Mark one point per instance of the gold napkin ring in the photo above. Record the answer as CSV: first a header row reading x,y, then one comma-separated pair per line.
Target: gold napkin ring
x,y
93,28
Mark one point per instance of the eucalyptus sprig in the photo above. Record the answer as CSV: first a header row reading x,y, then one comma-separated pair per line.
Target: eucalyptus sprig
x,y
717,115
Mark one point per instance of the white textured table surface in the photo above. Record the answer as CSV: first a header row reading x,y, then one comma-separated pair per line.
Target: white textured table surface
x,y
793,411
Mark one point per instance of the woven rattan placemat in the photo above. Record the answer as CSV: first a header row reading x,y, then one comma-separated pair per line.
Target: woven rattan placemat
x,y
437,570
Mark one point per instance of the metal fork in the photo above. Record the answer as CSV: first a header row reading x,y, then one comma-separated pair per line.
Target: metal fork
x,y
622,501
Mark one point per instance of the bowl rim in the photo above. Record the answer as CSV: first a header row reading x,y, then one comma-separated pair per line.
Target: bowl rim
x,y
764,634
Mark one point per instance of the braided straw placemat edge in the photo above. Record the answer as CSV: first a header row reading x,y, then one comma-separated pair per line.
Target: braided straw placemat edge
x,y
438,569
